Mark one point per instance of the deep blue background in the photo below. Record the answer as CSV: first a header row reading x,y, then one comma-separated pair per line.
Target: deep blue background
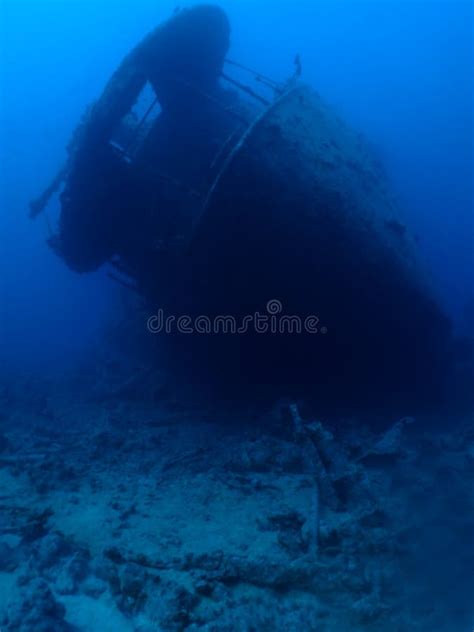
x,y
399,70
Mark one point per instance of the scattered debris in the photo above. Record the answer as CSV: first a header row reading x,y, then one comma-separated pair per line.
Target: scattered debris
x,y
195,524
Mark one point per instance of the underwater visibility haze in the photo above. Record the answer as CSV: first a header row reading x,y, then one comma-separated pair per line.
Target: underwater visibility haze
x,y
237,316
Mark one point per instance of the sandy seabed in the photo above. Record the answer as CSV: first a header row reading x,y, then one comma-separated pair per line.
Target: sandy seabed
x,y
125,512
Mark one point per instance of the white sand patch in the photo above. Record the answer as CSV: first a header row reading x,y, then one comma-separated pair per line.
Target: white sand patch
x,y
98,615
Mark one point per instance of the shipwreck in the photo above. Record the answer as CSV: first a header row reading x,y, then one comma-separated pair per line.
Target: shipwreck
x,y
209,195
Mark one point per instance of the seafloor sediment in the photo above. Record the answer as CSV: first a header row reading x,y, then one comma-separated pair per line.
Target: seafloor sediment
x,y
123,512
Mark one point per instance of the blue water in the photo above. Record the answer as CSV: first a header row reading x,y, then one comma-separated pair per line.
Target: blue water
x,y
401,72
111,477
